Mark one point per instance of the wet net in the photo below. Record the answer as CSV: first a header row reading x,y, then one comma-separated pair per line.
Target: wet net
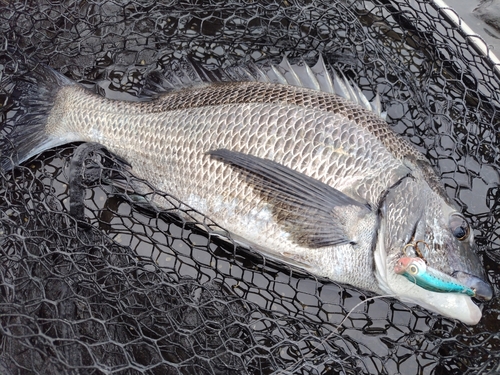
x,y
94,282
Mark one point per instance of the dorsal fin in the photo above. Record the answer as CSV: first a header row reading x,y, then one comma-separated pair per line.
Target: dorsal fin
x,y
318,77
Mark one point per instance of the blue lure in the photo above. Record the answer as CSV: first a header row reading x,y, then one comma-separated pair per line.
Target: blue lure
x,y
415,270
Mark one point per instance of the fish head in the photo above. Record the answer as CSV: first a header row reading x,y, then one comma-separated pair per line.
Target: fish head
x,y
419,222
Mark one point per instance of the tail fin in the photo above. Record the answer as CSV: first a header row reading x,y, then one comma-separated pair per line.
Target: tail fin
x,y
33,93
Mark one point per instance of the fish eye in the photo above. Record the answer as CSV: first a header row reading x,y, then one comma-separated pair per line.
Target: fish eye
x,y
459,227
413,269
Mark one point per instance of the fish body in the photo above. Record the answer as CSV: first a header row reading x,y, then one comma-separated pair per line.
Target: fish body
x,y
303,175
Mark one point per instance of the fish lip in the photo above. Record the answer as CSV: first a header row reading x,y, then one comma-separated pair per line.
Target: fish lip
x,y
482,289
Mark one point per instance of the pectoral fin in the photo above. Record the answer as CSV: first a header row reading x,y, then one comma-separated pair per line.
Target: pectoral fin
x,y
314,213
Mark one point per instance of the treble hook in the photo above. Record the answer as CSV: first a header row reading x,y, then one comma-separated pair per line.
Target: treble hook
x,y
415,247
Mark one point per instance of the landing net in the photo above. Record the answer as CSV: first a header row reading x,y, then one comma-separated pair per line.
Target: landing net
x,y
113,287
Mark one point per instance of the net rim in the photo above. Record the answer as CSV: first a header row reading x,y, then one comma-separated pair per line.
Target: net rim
x,y
476,41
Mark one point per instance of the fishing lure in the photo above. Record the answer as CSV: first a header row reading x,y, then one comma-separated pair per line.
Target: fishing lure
x,y
415,270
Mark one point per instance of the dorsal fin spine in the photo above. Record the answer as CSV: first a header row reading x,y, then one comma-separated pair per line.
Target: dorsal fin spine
x,y
318,77
297,75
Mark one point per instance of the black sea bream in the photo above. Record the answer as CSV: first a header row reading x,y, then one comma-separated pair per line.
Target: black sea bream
x,y
306,175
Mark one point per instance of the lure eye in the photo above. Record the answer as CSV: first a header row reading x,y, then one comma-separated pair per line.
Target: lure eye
x,y
413,269
459,227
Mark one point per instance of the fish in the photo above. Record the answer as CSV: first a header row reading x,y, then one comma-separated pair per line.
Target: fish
x,y
293,161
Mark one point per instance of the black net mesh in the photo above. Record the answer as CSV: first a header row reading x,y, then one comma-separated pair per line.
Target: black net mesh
x,y
117,288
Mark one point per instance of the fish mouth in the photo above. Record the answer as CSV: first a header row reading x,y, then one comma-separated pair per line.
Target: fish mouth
x,y
483,290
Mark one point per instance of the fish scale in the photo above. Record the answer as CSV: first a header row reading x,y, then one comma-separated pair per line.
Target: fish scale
x,y
304,176
177,163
